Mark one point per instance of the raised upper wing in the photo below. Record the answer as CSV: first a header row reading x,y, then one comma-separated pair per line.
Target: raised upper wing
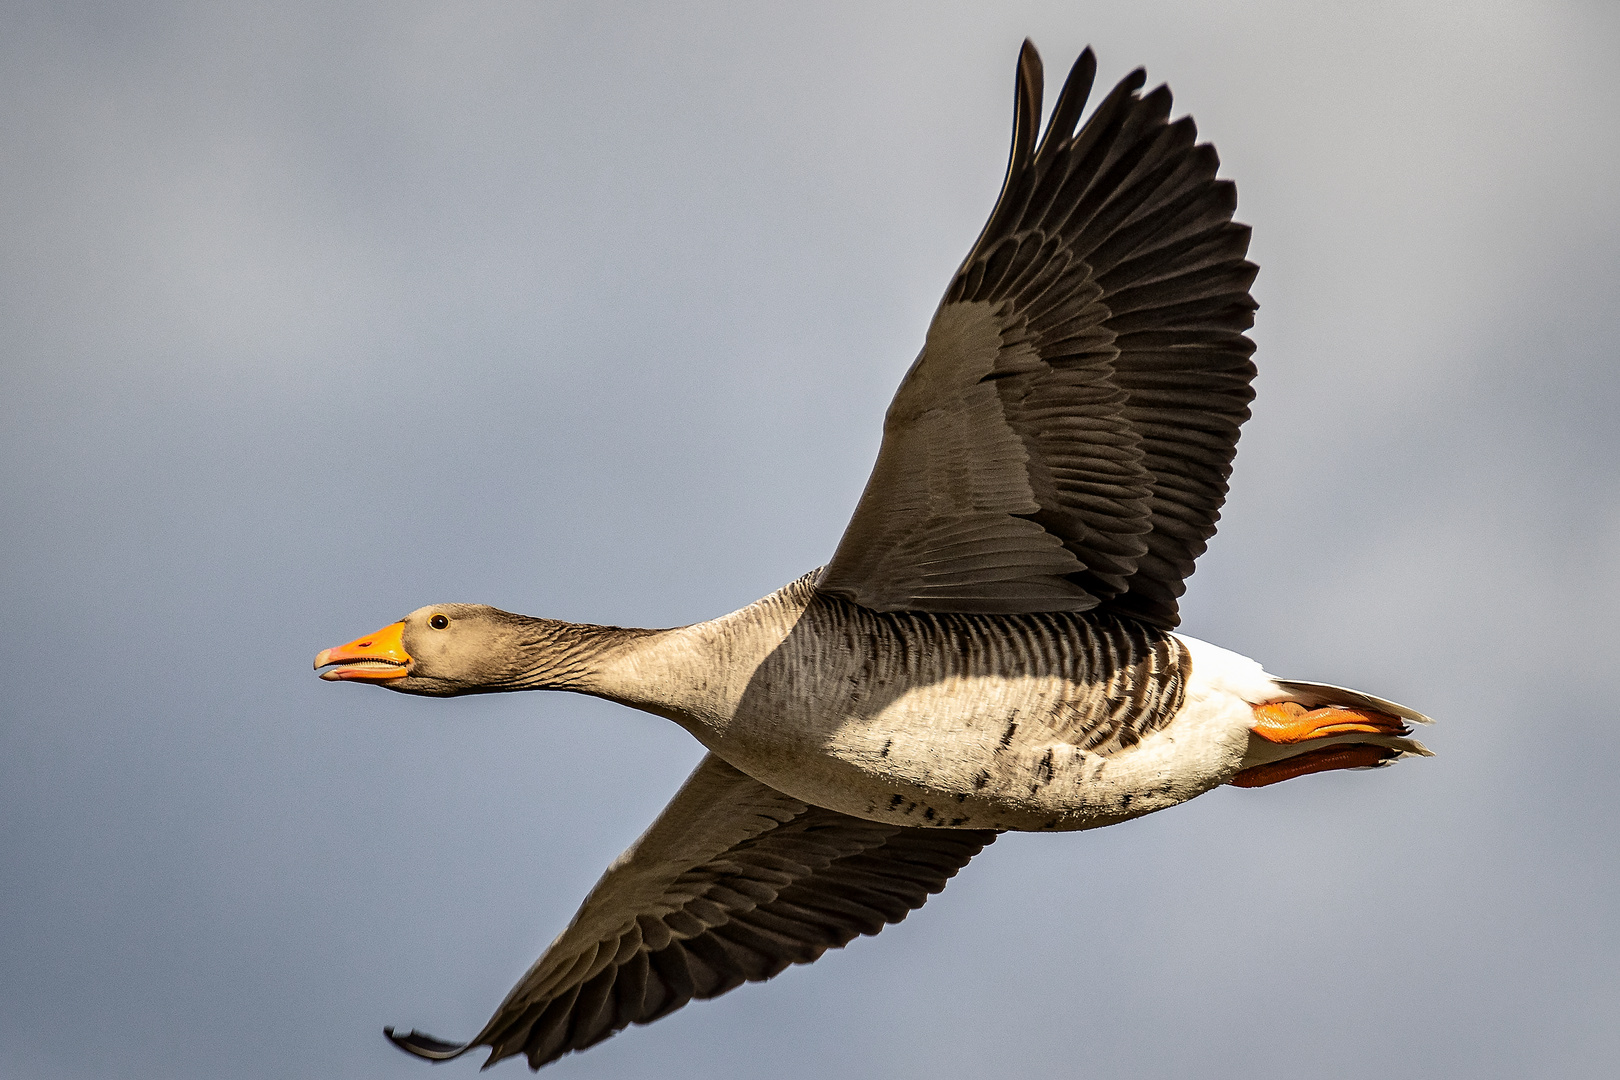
x,y
1064,439
733,882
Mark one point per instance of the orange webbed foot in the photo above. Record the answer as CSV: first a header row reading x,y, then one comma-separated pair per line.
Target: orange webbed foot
x,y
1327,758
1290,722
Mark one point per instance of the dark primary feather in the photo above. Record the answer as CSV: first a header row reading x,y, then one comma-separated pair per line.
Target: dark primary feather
x,y
1065,437
734,882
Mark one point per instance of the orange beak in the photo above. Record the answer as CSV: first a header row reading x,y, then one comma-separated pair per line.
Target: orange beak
x,y
373,658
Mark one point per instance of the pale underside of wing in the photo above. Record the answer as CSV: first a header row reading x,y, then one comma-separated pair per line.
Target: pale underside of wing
x,y
733,882
1064,439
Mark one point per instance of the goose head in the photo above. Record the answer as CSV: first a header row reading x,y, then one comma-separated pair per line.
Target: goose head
x,y
447,649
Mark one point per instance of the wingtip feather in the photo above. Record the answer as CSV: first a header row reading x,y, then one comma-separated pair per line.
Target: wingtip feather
x,y
1030,90
1071,103
421,1044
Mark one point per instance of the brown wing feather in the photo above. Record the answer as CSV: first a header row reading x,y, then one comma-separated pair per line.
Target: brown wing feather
x,y
734,882
1065,437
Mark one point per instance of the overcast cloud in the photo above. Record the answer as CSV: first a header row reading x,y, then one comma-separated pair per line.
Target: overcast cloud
x,y
313,313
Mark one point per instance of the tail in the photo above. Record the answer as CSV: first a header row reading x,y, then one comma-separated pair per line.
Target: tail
x,y
1315,695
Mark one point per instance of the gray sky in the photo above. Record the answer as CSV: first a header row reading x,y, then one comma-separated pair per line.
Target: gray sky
x,y
311,314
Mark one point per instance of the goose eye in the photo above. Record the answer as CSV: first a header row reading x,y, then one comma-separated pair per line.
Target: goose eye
x,y
438,622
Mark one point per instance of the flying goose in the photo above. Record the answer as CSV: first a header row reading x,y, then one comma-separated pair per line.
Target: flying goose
x,y
991,646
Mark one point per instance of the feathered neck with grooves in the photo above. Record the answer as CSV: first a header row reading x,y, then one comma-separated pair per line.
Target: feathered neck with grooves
x,y
495,651
556,655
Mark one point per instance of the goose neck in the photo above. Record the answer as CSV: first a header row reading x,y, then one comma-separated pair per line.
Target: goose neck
x,y
557,655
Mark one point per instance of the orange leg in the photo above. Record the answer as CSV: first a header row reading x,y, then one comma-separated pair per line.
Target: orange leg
x,y
1312,761
1291,722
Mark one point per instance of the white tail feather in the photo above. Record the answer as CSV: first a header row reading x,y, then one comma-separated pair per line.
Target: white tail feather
x,y
1314,695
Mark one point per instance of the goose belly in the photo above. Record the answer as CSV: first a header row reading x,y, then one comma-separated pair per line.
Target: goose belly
x,y
980,753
